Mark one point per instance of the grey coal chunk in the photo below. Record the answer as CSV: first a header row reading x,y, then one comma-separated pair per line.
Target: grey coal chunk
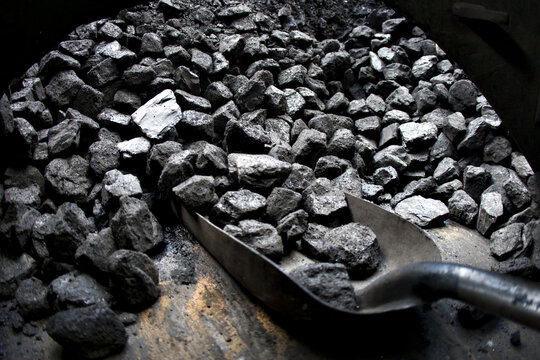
x,y
104,156
159,154
134,280
506,241
111,31
279,131
32,299
490,211
329,282
13,270
92,255
64,137
455,126
260,236
329,123
418,135
99,331
426,100
442,148
376,104
295,102
209,159
55,61
324,203
292,77
177,169
34,111
201,61
196,193
77,48
446,170
368,126
234,11
422,186
113,118
334,63
68,177
475,136
134,148
188,80
386,176
232,45
245,137
250,96
89,101
261,172
281,202
25,196
117,184
299,178
400,73
135,227
218,93
497,150
151,44
395,116
23,177
342,144
439,117
223,115
463,96
76,289
330,166
196,125
171,8
139,75
234,206
517,191
393,155
292,227
462,207
24,140
103,73
421,211
6,116
349,182
425,67
275,100
192,102
521,165
389,135
371,191
63,87
475,181
70,227
309,146
158,115
337,103
221,64
522,266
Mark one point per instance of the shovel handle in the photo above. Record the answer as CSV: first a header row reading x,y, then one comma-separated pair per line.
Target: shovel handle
x,y
502,295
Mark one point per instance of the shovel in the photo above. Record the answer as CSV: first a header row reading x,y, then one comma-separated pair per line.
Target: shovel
x,y
411,274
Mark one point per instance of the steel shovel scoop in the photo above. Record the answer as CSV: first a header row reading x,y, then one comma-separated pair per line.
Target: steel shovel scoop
x,y
411,273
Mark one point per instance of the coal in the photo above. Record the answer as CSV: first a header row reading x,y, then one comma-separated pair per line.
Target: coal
x,y
462,207
421,211
475,181
13,271
159,154
309,145
517,191
99,331
104,156
299,178
463,95
26,196
209,159
292,77
135,227
490,211
329,282
257,171
76,289
92,255
506,241
116,185
197,192
260,236
250,96
68,178
245,137
330,166
192,102
63,88
323,202
32,299
103,73
292,226
113,119
393,155
234,206
281,202
64,137
158,115
418,135
24,140
446,170
133,280
177,169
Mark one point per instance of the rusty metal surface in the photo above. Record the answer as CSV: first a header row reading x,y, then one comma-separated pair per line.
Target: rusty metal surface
x,y
497,42
213,318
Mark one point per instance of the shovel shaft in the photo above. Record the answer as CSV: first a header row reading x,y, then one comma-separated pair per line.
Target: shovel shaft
x,y
498,294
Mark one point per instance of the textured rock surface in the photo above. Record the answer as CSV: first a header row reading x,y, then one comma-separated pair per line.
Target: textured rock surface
x,y
421,211
158,115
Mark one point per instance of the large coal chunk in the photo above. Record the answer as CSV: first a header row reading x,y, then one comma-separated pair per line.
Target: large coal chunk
x,y
292,227
324,203
76,289
104,156
32,299
309,146
92,255
209,159
134,280
197,193
135,227
330,282
250,96
68,178
196,125
281,202
421,211
13,271
299,178
418,135
490,212
158,115
245,137
159,154
260,236
177,169
234,206
63,88
506,241
99,332
352,244
64,137
261,172
16,227
462,207
117,184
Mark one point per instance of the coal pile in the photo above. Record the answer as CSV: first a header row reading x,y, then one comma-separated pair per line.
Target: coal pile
x,y
259,117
